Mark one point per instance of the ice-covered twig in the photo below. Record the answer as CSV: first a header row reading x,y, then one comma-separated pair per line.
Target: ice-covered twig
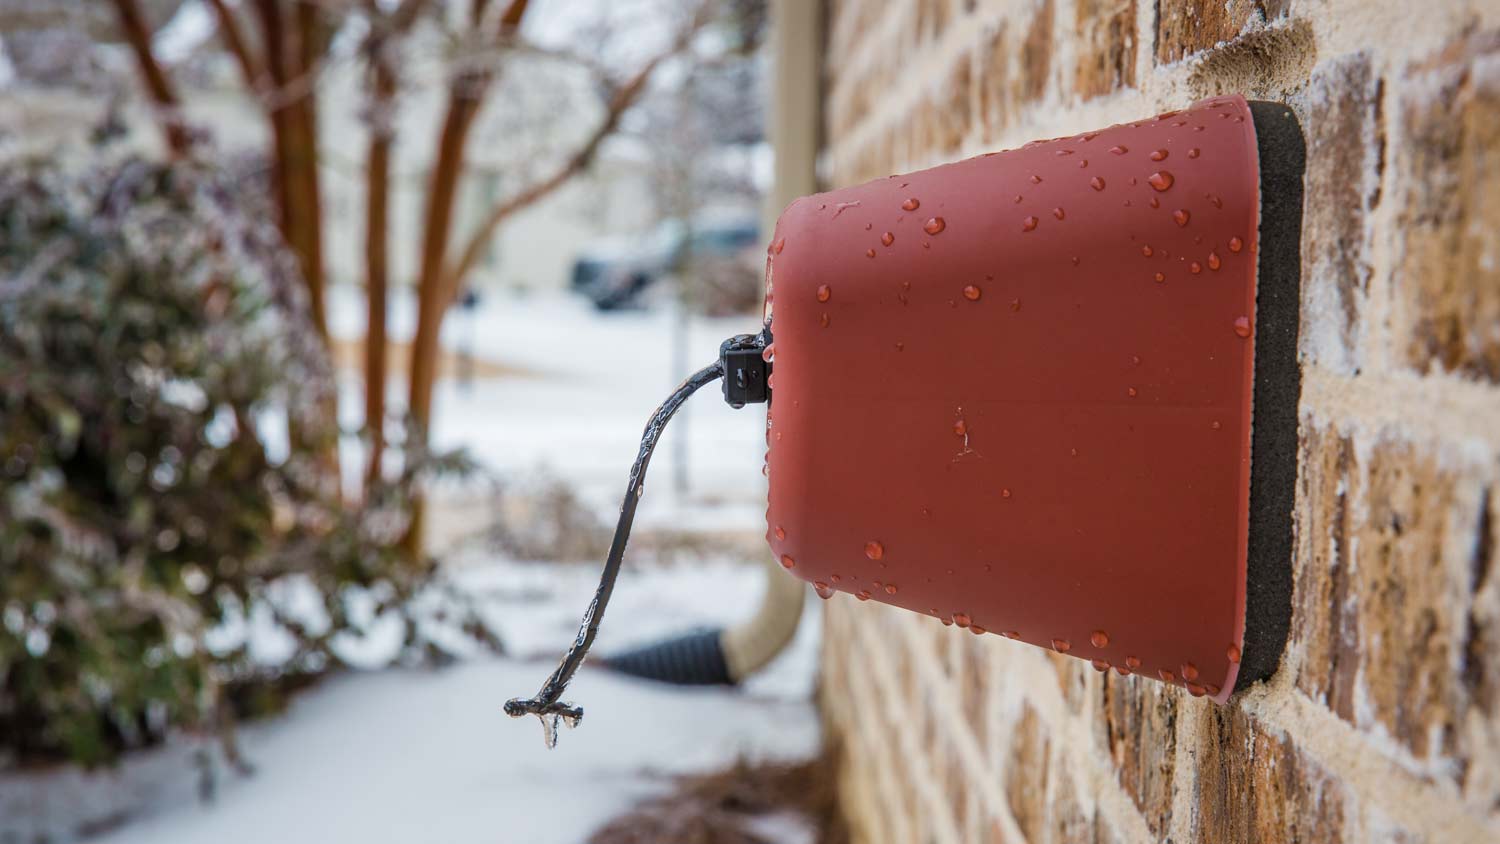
x,y
546,705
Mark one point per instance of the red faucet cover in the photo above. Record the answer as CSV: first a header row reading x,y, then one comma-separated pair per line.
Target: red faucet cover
x,y
1015,393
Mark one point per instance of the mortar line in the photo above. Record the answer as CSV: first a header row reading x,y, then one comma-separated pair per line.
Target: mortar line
x,y
1339,747
1432,409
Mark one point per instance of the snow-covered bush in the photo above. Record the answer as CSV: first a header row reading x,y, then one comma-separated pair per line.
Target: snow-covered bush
x,y
167,465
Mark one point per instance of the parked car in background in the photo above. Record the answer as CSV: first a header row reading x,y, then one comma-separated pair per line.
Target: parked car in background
x,y
612,272
717,258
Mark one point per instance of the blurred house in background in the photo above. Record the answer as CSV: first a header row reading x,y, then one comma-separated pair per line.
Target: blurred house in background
x,y
68,76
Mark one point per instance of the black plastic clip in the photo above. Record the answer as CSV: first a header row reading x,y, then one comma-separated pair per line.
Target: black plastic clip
x,y
747,374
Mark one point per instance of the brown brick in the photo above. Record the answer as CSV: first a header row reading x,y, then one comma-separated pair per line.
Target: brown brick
x,y
1068,819
850,23
1106,46
1383,610
1345,142
1026,775
1413,593
1036,56
1448,160
995,86
1184,27
1140,735
1389,554
977,684
932,18
953,110
1325,637
1253,786
1073,679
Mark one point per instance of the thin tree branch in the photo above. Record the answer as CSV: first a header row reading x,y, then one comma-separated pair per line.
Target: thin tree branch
x,y
239,46
464,95
377,203
271,96
163,96
625,97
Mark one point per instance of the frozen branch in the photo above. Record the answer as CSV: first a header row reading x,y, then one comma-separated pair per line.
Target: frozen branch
x,y
163,96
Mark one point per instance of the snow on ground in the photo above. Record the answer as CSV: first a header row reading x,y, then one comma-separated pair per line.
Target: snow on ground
x,y
420,755
423,755
591,381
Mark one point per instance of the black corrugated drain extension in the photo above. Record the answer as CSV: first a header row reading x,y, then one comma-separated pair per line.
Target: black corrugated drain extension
x,y
692,659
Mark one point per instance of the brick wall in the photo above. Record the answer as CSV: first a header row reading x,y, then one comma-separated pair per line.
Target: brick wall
x,y
1384,722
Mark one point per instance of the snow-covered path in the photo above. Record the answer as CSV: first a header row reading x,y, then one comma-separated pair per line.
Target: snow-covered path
x,y
406,756
427,755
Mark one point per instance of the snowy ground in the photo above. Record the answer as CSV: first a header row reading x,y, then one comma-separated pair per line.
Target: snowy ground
x,y
590,382
409,755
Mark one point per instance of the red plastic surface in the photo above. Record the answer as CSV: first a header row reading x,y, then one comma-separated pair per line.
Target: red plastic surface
x,y
1015,392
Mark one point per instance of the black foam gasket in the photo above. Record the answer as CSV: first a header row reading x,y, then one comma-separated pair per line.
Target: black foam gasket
x,y
1278,386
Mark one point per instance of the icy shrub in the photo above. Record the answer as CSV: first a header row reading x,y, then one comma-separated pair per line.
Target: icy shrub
x,y
166,467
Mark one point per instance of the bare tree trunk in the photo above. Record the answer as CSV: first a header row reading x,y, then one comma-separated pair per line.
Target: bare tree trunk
x,y
442,195
464,98
303,168
163,96
289,46
382,122
377,181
